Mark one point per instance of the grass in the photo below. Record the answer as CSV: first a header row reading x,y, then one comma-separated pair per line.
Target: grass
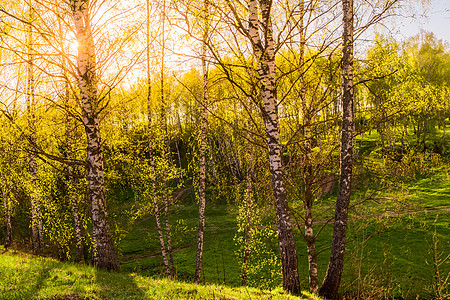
x,y
140,249
432,192
400,256
27,277
395,247
388,256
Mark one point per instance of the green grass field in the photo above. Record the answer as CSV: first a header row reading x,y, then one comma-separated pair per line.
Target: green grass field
x,y
28,277
389,253
396,240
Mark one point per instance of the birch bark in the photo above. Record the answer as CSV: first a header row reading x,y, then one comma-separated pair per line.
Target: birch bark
x,y
36,218
72,196
7,211
307,168
264,52
104,255
165,147
248,211
150,150
79,235
202,152
154,193
332,279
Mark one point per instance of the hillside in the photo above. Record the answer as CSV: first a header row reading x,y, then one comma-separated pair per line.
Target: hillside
x,y
29,277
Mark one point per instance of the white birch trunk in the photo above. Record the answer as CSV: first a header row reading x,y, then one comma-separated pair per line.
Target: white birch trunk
x,y
150,150
36,219
7,211
155,199
202,152
79,237
71,193
165,147
213,161
104,255
333,277
308,170
179,158
264,52
248,210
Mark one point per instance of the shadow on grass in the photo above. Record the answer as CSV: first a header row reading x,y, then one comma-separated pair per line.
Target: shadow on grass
x,y
27,280
41,278
118,286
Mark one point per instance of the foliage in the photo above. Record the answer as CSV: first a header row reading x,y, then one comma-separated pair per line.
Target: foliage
x,y
408,166
402,143
264,269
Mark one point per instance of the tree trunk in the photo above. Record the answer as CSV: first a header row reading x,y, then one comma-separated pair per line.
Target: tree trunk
x,y
168,233
71,193
155,199
164,148
264,52
154,189
79,232
150,150
225,145
213,160
380,124
202,152
308,197
179,158
307,168
7,210
248,211
36,218
104,255
332,279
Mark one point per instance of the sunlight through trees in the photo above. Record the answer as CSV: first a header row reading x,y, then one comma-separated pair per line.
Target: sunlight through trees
x,y
296,116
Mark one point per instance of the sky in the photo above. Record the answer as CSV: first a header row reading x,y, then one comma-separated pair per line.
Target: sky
x,y
437,20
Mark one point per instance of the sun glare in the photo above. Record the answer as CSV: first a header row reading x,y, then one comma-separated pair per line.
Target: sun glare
x,y
73,46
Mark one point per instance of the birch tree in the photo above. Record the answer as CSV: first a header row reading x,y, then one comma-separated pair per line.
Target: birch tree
x,y
104,255
249,170
163,140
36,217
7,210
333,276
66,98
308,168
6,170
150,149
261,35
203,141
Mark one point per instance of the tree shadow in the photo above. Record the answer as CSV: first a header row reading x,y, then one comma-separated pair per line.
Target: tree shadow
x,y
29,281
41,278
120,285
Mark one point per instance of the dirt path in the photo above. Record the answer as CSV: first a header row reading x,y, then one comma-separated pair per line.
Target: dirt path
x,y
179,193
400,213
352,219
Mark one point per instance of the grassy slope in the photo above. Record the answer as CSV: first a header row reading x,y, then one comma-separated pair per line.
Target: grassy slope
x,y
396,259
141,251
27,277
